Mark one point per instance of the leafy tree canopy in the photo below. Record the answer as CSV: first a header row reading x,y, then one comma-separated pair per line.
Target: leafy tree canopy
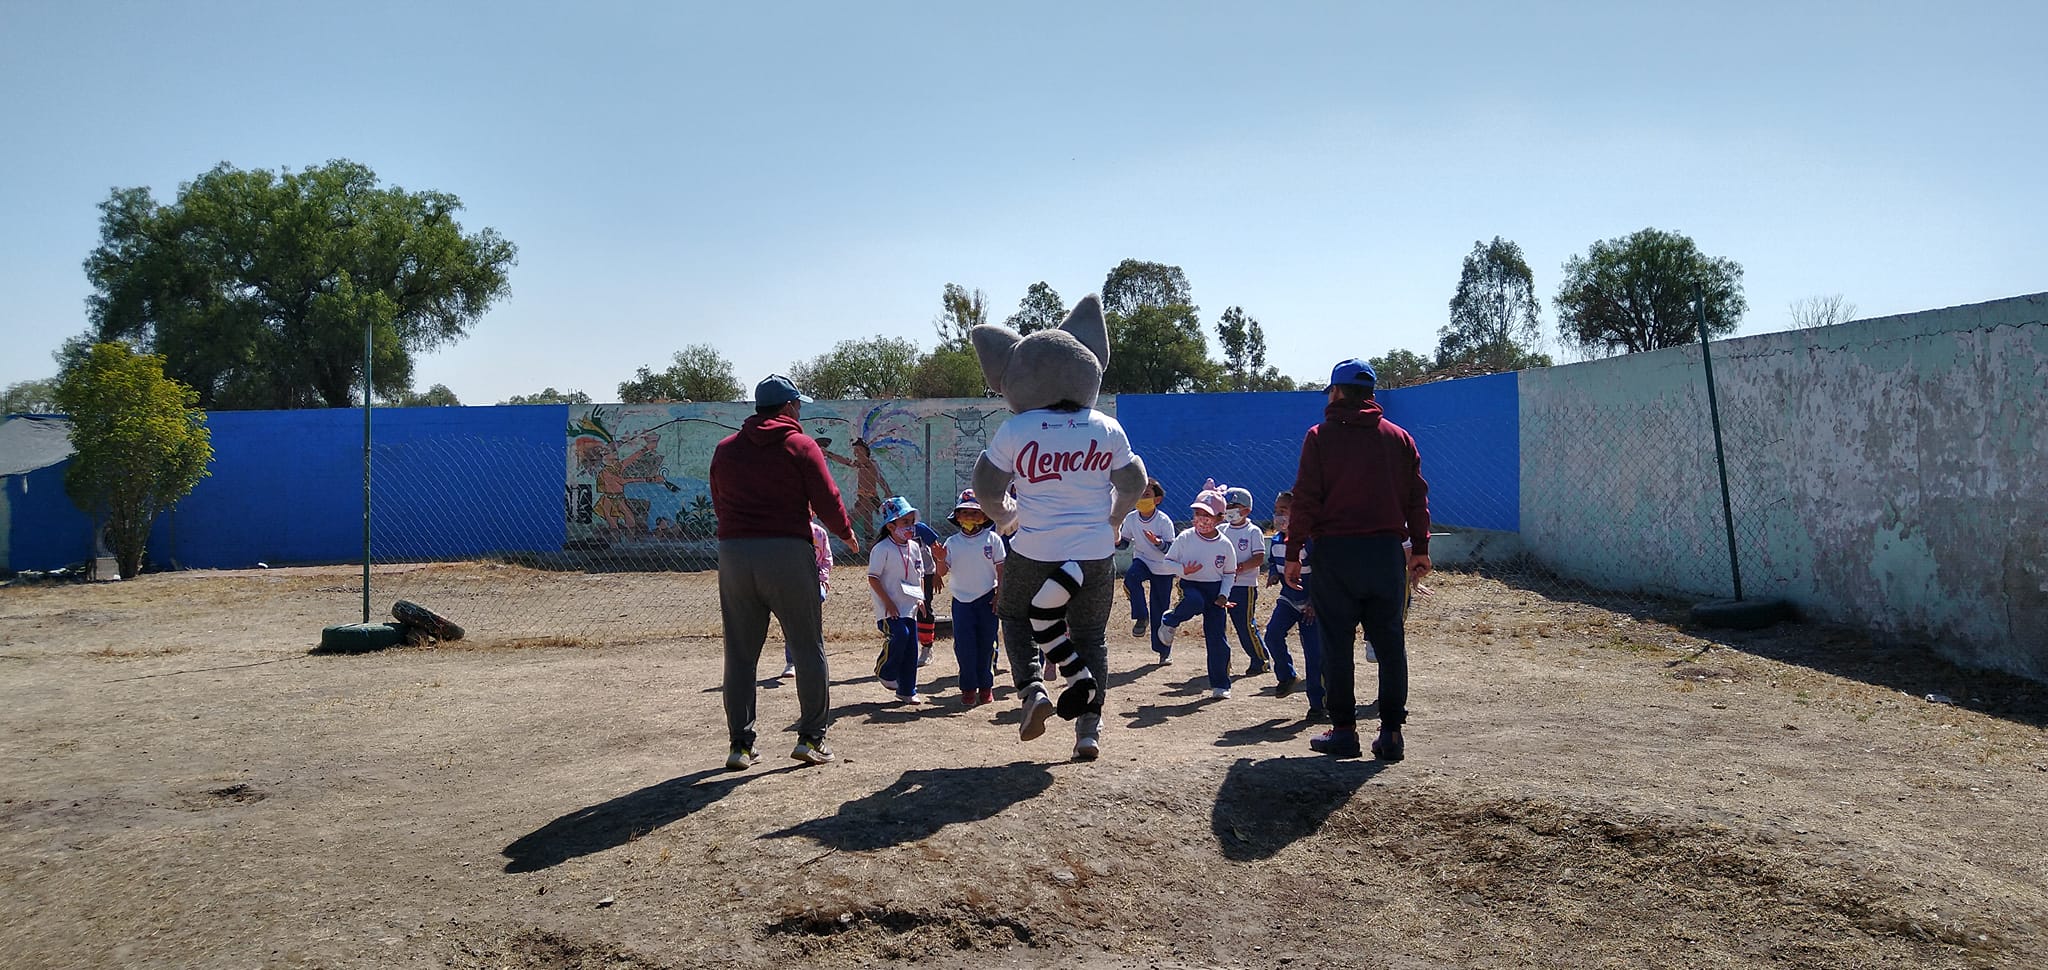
x,y
256,287
29,397
1040,309
549,396
1635,293
1396,368
881,367
961,311
696,373
437,396
948,371
1493,325
1159,350
1136,283
142,444
1244,354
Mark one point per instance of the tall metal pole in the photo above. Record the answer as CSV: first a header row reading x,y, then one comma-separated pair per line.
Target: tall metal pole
x,y
1720,455
368,329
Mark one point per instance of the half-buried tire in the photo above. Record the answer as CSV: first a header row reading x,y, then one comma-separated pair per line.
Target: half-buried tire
x,y
427,621
361,637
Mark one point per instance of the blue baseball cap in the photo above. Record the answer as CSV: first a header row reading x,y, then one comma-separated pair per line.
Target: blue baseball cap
x,y
1353,371
777,389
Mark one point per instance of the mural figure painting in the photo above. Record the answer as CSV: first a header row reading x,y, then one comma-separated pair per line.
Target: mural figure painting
x,y
598,455
1075,478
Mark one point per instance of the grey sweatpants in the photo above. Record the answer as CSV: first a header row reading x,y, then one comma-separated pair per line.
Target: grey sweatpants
x,y
757,577
1087,624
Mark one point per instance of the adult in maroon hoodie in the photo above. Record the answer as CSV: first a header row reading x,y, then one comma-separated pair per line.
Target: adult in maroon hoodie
x,y
1358,494
767,481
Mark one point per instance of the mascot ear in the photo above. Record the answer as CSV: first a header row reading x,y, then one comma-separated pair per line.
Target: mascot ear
x,y
992,344
1086,325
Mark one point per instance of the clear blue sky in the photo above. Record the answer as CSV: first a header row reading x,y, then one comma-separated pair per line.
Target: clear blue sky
x,y
772,178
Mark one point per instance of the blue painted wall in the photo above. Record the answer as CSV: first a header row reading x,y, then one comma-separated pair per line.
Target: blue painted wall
x,y
1465,429
287,486
45,531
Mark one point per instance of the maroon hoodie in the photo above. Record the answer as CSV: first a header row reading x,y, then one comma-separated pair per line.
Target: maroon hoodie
x,y
1360,475
768,478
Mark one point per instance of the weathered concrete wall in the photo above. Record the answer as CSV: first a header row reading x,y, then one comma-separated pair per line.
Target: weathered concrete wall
x,y
1890,472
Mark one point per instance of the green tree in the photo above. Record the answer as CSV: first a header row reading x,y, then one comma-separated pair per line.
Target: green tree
x,y
437,396
880,367
961,312
1635,293
549,396
142,444
1494,323
1040,309
696,373
1159,350
29,397
1136,283
1396,368
257,286
948,371
1244,354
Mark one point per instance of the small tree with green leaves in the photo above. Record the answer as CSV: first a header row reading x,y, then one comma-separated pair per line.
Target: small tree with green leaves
x,y
1398,367
29,397
696,373
142,444
549,395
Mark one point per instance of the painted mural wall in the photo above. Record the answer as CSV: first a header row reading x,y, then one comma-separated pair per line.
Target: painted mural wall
x,y
1890,472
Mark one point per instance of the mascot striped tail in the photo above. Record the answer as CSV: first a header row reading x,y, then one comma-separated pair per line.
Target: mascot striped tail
x,y
1049,630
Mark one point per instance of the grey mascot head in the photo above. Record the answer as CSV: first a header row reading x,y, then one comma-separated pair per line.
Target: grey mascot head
x,y
1059,369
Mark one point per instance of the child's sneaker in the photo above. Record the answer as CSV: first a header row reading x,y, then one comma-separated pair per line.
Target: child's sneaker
x,y
911,698
889,685
988,695
1219,693
924,657
1138,628
1317,715
1286,686
1087,749
1336,742
1257,668
788,671
1038,709
1166,631
969,698
811,752
1388,746
740,758
1165,658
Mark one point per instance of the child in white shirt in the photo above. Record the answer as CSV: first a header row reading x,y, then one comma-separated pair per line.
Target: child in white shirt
x,y
1208,570
896,571
1250,541
972,562
1148,532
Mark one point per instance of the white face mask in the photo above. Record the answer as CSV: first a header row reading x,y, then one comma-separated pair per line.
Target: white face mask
x,y
1236,516
1280,522
902,531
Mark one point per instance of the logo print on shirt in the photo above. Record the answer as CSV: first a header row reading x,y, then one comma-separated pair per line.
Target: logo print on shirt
x,y
1052,466
1219,564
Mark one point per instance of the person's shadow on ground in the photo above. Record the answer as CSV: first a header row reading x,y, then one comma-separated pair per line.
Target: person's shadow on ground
x,y
1153,715
1272,729
1265,806
920,803
622,819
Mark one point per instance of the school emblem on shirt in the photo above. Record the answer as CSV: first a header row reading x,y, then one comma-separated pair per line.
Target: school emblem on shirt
x,y
1219,563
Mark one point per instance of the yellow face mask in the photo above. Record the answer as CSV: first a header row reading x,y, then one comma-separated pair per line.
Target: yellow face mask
x,y
1146,505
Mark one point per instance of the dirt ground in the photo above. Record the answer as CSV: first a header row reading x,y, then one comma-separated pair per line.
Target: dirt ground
x,y
185,786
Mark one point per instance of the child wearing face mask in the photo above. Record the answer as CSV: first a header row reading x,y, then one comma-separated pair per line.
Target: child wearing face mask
x,y
1148,532
972,562
1250,541
896,572
1207,563
1291,609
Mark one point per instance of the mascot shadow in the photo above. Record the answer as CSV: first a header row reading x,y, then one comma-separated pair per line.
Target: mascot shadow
x,y
1265,806
625,818
920,803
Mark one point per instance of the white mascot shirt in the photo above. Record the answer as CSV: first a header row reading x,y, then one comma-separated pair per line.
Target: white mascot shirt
x,y
1062,461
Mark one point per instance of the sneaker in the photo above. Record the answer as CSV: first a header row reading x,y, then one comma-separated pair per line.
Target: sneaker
x,y
1317,715
1038,709
889,685
924,657
1388,746
1166,631
740,758
1219,693
788,670
988,695
969,698
1165,658
1286,686
1087,749
1336,742
1138,628
811,752
1371,657
911,698
1256,669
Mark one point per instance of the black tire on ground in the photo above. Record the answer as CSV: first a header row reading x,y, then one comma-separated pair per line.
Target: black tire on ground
x,y
361,637
1741,614
433,624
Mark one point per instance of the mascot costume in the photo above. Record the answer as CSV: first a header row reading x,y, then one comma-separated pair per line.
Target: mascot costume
x,y
1058,475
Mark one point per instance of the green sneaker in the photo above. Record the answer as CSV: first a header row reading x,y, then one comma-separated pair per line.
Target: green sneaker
x,y
811,752
740,758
